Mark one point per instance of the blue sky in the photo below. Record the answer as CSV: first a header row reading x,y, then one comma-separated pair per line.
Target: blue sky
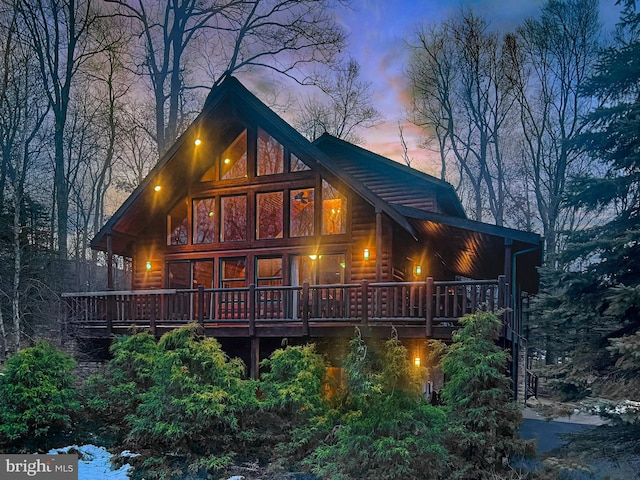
x,y
378,32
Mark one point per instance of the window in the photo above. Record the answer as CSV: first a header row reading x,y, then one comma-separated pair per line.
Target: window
x,y
270,155
179,275
233,218
269,271
301,212
204,220
188,275
334,210
269,207
234,159
320,269
233,273
177,228
203,273
331,269
298,165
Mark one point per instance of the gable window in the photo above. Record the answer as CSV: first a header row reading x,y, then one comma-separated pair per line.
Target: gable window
x,y
334,210
269,208
233,161
204,220
269,271
298,165
270,155
301,212
233,221
177,227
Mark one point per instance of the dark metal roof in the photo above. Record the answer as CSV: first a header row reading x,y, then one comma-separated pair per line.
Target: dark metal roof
x,y
393,182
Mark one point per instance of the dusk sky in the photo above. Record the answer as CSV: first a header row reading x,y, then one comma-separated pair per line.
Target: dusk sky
x,y
378,31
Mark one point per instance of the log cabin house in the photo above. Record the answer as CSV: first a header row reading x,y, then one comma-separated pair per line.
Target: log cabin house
x,y
258,234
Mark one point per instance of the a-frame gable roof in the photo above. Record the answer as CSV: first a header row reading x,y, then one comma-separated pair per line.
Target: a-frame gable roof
x,y
228,100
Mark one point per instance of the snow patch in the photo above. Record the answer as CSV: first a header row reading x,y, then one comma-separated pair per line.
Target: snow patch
x,y
95,462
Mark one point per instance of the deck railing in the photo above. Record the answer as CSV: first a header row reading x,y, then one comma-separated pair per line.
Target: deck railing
x,y
431,303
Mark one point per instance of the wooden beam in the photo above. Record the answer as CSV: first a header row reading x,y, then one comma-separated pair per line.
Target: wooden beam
x,y
110,285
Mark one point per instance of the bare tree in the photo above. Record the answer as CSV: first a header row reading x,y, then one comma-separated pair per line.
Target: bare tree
x,y
347,108
60,34
223,37
462,97
23,113
552,57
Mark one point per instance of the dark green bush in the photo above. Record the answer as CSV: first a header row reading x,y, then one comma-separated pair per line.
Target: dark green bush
x,y
37,397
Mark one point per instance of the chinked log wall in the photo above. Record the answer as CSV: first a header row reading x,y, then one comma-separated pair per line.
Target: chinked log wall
x,y
430,309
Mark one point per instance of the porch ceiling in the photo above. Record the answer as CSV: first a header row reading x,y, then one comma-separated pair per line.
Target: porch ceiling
x,y
475,249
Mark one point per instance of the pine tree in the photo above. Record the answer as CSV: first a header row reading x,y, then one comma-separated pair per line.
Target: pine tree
x,y
594,302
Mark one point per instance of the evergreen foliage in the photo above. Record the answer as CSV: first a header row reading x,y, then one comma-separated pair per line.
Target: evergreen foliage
x,y
386,429
482,418
294,410
593,302
181,401
37,397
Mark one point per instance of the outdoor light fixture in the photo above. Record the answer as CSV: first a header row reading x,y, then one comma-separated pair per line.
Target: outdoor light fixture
x,y
418,269
313,257
157,188
366,254
416,361
227,161
148,265
197,142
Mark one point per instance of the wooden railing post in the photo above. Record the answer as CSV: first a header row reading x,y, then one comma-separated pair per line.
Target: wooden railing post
x,y
252,310
365,302
503,300
429,300
201,305
305,309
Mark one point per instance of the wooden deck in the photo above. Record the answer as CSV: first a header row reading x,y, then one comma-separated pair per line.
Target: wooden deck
x,y
430,309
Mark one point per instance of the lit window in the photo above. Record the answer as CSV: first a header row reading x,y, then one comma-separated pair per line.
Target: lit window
x,y
301,212
270,155
269,207
177,229
334,210
233,162
233,218
204,219
298,165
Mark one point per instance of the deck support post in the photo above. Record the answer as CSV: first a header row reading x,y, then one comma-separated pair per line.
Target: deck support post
x,y
254,368
429,305
110,282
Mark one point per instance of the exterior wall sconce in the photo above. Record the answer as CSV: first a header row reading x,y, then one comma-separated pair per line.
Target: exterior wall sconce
x,y
366,254
418,269
314,256
416,361
148,266
197,142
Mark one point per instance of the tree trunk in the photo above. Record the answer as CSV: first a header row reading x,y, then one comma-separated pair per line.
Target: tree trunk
x,y
16,273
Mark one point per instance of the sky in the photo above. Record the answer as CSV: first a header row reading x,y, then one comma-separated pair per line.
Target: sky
x,y
378,34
